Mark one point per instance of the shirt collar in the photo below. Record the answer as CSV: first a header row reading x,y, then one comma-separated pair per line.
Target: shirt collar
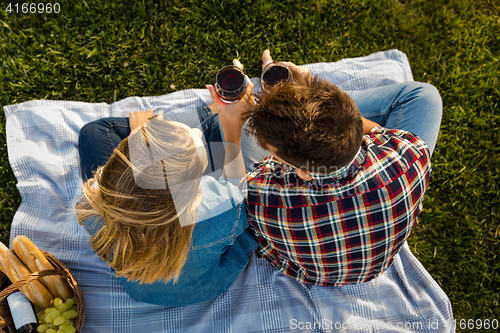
x,y
349,169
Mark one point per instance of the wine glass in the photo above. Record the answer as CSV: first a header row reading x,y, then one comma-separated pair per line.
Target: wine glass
x,y
273,73
230,84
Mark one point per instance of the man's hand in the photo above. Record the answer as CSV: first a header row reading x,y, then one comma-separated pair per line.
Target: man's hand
x,y
297,71
368,125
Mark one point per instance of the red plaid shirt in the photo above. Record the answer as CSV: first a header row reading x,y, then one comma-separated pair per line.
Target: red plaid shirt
x,y
344,227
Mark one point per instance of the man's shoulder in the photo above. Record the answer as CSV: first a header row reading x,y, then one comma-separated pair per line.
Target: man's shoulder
x,y
265,168
396,140
391,153
386,155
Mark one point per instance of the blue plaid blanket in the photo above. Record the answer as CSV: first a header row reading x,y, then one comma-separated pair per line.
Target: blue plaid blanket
x,y
42,141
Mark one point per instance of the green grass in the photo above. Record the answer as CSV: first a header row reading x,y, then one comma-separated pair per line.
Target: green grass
x,y
102,51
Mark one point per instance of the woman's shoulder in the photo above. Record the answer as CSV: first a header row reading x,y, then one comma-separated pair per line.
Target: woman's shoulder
x,y
219,196
221,214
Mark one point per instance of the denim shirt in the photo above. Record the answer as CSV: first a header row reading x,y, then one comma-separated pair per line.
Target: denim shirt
x,y
219,250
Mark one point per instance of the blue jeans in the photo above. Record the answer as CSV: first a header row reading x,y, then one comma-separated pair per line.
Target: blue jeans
x,y
99,138
411,106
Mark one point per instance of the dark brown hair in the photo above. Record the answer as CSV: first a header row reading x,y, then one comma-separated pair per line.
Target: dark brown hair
x,y
311,124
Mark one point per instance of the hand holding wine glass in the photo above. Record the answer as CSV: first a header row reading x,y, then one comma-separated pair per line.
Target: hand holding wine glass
x,y
230,82
230,114
295,71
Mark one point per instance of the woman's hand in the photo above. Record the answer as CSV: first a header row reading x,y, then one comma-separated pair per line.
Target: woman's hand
x,y
230,114
231,121
136,119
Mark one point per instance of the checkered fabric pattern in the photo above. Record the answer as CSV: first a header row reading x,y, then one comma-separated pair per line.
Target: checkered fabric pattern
x,y
42,139
343,227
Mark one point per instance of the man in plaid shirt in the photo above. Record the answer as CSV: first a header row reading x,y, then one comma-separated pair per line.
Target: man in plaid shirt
x,y
340,194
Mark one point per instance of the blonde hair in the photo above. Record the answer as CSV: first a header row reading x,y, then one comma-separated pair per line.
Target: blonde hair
x,y
142,238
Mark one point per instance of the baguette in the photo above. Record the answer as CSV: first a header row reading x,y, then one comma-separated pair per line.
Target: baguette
x,y
15,270
3,253
36,261
3,267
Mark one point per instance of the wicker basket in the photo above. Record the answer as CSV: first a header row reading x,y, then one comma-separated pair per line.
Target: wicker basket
x,y
6,322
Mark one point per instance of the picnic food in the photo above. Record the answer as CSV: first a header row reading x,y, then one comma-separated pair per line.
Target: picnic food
x,y
59,317
36,261
3,254
15,270
22,312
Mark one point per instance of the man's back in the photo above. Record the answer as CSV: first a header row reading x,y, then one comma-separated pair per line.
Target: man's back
x,y
343,227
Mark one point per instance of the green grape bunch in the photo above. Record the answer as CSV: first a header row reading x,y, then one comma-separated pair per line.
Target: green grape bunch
x,y
59,318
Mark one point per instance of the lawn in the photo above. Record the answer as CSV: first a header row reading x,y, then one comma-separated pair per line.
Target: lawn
x,y
103,51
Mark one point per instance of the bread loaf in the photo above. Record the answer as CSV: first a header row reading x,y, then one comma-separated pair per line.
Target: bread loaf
x,y
3,266
36,261
3,253
15,270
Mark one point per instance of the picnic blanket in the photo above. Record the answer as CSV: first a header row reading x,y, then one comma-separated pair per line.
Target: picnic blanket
x,y
42,138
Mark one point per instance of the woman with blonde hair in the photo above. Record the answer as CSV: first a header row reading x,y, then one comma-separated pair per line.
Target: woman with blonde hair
x,y
172,233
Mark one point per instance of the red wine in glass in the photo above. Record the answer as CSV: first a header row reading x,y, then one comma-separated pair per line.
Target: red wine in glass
x,y
274,73
230,84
